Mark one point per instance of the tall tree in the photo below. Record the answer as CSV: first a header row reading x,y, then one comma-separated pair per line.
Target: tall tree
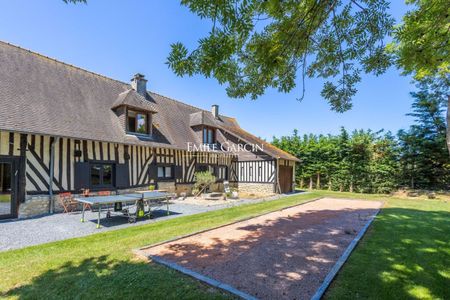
x,y
384,167
254,45
421,45
425,161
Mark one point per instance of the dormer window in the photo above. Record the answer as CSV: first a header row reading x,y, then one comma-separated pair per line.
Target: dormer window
x,y
138,122
209,135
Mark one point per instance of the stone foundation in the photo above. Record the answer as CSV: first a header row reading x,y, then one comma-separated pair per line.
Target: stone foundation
x,y
37,205
168,186
216,187
260,189
184,188
34,206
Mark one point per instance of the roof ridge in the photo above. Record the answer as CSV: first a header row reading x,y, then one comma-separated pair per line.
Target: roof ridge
x,y
242,130
63,63
186,104
179,101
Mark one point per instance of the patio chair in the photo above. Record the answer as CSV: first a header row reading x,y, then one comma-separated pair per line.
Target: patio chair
x,y
86,193
67,202
104,193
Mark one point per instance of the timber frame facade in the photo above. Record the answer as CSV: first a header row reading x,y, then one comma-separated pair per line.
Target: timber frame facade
x,y
58,152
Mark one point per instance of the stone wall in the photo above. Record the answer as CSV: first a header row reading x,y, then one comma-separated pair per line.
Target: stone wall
x,y
34,206
168,186
260,189
184,188
187,188
37,205
216,187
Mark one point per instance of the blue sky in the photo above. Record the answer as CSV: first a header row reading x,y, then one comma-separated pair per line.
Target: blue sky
x,y
119,38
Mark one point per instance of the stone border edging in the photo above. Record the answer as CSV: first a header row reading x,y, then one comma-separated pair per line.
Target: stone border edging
x,y
203,278
338,265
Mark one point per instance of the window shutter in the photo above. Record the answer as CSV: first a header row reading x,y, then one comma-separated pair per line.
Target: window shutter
x,y
122,176
153,172
178,172
81,173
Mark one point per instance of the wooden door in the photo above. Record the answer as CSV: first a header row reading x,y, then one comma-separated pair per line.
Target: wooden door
x,y
285,174
8,187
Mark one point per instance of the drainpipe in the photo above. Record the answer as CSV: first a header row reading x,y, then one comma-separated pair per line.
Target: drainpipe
x,y
52,170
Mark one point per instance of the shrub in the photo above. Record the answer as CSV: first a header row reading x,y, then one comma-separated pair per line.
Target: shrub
x,y
203,180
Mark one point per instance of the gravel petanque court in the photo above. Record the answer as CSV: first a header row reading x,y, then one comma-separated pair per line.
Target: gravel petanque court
x,y
280,255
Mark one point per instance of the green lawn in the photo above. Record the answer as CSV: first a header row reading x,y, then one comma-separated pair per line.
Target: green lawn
x,y
405,254
5,197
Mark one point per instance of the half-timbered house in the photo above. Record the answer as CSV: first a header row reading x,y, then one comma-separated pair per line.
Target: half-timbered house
x,y
63,128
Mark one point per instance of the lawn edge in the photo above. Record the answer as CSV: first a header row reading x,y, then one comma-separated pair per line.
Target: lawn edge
x,y
202,278
320,292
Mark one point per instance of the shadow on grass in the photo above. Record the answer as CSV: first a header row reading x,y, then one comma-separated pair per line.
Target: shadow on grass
x,y
405,255
105,278
118,219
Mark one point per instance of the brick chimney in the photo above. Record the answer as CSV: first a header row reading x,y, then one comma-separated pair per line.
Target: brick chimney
x,y
215,111
139,84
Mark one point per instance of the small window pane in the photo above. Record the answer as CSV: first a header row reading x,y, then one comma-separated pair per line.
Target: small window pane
x,y
160,172
168,172
95,174
210,136
132,121
141,123
205,136
107,174
202,168
137,122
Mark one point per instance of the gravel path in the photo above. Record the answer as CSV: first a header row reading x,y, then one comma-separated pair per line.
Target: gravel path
x,y
281,255
15,234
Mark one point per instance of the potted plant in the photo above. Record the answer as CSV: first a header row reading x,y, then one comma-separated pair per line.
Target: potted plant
x,y
234,193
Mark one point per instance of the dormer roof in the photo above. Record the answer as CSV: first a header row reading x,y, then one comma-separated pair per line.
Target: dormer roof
x,y
134,100
202,118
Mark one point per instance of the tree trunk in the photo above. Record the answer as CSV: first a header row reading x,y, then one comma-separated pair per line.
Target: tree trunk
x,y
329,184
351,187
448,123
318,181
301,183
341,188
310,183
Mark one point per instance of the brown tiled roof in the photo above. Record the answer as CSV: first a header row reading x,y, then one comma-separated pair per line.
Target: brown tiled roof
x,y
43,96
231,126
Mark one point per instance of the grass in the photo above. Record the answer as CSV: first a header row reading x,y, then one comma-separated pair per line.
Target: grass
x,y
5,197
405,254
103,266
